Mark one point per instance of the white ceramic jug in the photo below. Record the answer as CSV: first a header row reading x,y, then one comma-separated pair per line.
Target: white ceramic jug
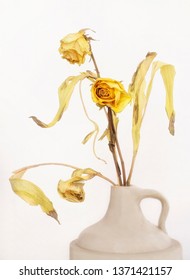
x,y
124,232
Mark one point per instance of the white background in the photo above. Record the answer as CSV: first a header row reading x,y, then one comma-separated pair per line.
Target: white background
x,y
31,71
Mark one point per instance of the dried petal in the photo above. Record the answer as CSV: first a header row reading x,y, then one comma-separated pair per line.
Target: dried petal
x,y
72,189
74,47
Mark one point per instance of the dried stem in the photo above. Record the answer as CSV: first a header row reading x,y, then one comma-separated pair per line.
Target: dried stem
x,y
112,144
131,169
95,64
60,164
122,162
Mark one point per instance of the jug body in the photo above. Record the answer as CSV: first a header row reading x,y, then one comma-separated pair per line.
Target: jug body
x,y
124,231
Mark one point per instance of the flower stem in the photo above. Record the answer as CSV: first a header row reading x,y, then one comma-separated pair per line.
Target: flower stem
x,y
112,144
94,61
95,64
131,169
60,164
122,162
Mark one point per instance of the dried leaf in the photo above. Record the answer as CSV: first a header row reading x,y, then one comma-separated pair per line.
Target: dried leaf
x,y
141,97
96,127
64,92
85,174
168,73
32,194
105,134
138,111
88,136
141,72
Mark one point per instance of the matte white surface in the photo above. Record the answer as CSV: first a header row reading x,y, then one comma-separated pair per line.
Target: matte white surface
x,y
31,70
124,232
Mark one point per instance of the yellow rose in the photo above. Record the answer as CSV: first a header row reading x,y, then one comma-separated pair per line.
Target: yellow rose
x,y
74,47
72,189
110,93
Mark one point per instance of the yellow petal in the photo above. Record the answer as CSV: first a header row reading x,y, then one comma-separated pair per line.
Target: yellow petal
x,y
72,189
32,194
64,92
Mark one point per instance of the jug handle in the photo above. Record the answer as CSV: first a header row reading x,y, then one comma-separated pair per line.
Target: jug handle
x,y
148,193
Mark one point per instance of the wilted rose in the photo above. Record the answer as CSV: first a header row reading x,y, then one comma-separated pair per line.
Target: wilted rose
x,y
72,189
111,93
74,47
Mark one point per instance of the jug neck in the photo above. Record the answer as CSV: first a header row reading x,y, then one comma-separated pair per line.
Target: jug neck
x,y
123,202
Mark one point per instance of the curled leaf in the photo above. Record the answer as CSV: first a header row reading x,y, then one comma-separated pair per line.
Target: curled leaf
x,y
168,73
88,136
140,73
105,134
64,92
32,194
138,111
94,132
85,174
141,95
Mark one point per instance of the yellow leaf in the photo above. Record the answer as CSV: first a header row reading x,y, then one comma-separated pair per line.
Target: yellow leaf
x,y
88,136
105,134
32,194
64,92
141,96
84,174
168,73
138,111
140,73
96,127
